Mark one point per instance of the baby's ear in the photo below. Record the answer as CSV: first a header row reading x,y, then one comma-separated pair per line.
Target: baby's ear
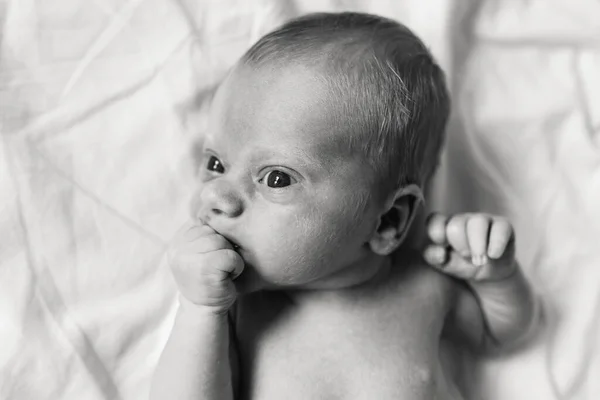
x,y
396,219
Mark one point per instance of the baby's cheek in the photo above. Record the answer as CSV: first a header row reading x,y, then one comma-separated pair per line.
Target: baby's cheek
x,y
323,236
309,243
291,252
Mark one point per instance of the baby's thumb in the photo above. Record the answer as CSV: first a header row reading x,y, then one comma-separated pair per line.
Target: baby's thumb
x,y
450,262
238,267
436,255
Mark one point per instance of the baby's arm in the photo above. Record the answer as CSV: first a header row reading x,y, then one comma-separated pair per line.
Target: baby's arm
x,y
199,358
196,362
495,308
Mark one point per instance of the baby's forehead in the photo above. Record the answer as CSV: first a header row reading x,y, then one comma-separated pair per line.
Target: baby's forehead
x,y
280,101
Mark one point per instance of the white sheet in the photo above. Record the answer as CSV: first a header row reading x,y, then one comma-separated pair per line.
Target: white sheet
x,y
95,173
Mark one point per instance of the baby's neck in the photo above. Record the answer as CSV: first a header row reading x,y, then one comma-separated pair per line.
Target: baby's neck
x,y
357,274
393,267
346,282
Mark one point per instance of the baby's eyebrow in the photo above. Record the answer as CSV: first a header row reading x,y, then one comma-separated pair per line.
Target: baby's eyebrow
x,y
296,154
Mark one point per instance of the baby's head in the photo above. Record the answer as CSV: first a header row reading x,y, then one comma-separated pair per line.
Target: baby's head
x,y
386,92
319,141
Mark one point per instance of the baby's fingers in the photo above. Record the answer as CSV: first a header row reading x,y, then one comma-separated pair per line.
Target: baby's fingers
x,y
229,262
501,238
478,228
436,228
456,232
189,232
436,255
449,262
206,244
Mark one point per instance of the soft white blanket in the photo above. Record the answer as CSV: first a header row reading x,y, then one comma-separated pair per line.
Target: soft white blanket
x,y
95,173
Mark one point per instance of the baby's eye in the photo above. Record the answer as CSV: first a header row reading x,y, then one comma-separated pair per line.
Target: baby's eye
x,y
215,165
278,179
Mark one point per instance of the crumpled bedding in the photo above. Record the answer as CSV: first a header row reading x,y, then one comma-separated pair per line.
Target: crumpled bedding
x,y
100,102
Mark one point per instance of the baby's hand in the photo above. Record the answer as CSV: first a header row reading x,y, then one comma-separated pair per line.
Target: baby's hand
x,y
204,264
476,247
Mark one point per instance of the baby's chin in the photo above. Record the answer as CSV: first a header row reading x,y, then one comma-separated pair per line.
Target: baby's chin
x,y
251,281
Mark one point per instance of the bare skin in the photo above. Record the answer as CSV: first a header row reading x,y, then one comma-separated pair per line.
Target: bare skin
x,y
291,279
378,340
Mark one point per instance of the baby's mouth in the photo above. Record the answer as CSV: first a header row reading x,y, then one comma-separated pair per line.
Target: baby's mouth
x,y
235,246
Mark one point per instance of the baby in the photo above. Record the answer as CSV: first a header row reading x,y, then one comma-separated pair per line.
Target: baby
x,y
296,276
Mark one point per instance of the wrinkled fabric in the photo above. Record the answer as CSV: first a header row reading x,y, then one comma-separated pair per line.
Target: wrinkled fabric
x,y
100,104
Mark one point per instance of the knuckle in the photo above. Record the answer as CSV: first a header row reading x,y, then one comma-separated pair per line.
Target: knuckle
x,y
476,219
210,241
455,226
218,240
436,225
435,218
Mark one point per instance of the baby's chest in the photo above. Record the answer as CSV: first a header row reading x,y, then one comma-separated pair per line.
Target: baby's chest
x,y
335,354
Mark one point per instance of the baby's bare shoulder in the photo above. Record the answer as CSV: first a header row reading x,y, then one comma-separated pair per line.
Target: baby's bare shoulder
x,y
404,322
411,293
418,291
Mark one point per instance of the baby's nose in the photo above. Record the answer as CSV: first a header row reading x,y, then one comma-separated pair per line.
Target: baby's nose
x,y
219,199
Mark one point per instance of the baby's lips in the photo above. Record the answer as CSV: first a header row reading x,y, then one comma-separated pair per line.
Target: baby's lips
x,y
236,246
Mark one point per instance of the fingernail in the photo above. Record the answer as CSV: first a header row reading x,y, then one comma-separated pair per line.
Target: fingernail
x,y
193,233
479,260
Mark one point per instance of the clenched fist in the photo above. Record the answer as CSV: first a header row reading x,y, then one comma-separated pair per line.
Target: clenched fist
x,y
204,265
474,247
